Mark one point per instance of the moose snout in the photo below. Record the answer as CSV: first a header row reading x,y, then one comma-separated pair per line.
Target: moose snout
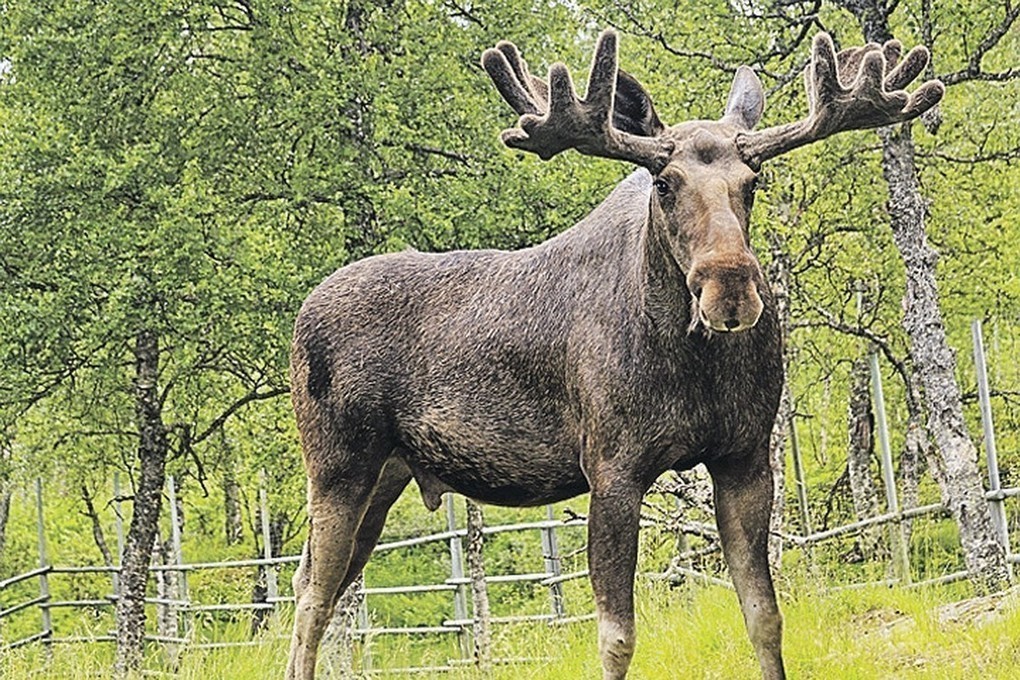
x,y
725,296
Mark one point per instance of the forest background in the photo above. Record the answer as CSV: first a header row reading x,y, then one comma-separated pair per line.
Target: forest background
x,y
175,177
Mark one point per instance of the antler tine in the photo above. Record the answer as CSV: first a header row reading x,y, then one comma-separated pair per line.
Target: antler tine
x,y
857,89
554,119
509,72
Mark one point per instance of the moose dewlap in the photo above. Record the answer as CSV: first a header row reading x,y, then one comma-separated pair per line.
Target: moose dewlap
x,y
642,339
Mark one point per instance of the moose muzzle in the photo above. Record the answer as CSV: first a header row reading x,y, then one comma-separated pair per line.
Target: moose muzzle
x,y
725,292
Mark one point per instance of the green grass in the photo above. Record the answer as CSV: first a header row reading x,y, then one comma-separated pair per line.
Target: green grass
x,y
683,633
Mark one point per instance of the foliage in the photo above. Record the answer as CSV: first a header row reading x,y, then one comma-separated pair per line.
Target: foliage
x,y
196,168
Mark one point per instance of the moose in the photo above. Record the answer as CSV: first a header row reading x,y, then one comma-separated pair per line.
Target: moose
x,y
641,340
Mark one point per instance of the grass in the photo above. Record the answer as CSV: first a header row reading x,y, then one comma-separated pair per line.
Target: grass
x,y
692,633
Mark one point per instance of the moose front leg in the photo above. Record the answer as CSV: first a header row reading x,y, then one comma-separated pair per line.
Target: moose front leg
x,y
743,505
612,556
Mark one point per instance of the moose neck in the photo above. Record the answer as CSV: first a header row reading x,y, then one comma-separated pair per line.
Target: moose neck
x,y
665,298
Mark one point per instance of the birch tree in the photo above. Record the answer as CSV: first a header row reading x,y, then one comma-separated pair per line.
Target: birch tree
x,y
931,356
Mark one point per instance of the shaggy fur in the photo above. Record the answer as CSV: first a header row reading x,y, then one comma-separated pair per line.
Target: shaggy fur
x,y
641,340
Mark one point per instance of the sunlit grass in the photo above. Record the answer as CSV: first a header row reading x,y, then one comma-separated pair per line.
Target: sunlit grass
x,y
694,632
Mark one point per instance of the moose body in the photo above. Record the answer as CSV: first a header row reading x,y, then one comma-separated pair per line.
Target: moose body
x,y
487,370
640,340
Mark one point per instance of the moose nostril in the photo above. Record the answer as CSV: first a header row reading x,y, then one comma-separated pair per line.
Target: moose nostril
x,y
732,323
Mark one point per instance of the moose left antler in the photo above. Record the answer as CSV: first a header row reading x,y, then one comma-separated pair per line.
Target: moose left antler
x,y
860,88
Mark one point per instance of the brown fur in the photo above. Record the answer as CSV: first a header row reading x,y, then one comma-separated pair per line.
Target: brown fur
x,y
593,362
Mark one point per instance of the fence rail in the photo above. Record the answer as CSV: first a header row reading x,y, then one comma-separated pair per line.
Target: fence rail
x,y
551,577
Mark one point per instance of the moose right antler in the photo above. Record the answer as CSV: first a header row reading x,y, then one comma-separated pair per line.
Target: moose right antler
x,y
859,88
553,119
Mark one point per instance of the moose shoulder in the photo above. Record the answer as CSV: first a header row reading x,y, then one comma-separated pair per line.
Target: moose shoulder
x,y
642,339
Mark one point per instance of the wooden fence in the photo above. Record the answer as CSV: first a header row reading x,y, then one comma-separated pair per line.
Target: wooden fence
x,y
464,591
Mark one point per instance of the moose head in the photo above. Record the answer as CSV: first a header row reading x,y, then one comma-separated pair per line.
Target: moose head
x,y
705,171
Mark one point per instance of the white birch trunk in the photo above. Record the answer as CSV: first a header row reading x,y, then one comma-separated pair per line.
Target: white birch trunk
x,y
479,590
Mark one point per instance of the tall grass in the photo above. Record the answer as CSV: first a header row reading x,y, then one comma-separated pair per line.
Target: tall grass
x,y
694,633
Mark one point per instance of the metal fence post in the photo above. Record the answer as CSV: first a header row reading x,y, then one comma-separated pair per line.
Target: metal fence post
x,y
995,496
798,471
457,576
178,557
44,583
897,539
272,591
551,559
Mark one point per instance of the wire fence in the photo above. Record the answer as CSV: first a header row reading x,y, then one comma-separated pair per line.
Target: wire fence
x,y
181,607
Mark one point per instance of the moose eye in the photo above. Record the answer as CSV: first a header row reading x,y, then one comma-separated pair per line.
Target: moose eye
x,y
661,187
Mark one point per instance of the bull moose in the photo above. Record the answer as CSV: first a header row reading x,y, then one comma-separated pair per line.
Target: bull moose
x,y
641,340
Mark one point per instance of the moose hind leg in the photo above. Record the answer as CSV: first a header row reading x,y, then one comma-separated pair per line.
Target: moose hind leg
x,y
743,505
612,558
335,512
395,476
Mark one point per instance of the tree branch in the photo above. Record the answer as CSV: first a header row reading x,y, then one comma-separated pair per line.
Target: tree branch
x,y
97,526
803,22
830,321
254,395
992,37
1006,155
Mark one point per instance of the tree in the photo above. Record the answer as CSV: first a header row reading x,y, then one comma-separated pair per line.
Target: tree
x,y
176,178
138,314
931,356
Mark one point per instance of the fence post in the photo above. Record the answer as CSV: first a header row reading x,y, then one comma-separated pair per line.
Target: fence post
x,y
178,557
457,576
267,541
801,481
551,558
998,510
44,582
897,539
479,590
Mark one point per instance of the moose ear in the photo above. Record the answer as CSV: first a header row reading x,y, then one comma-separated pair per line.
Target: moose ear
x,y
632,108
746,100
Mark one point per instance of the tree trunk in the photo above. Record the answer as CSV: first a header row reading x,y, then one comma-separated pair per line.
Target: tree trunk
x,y
935,364
779,279
5,495
260,593
5,511
152,453
860,454
479,589
915,452
167,588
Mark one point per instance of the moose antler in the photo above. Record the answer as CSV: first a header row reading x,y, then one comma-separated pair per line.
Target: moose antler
x,y
553,119
859,88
